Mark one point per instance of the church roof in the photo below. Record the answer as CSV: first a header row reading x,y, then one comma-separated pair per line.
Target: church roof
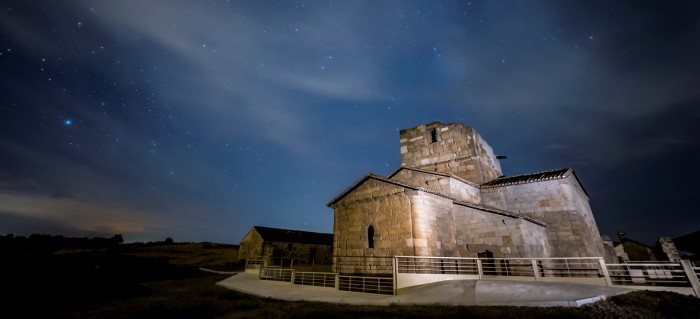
x,y
293,236
434,173
482,207
364,179
495,210
532,178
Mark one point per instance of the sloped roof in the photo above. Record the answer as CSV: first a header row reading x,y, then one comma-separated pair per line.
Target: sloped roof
x,y
364,179
482,207
434,173
293,236
532,178
495,210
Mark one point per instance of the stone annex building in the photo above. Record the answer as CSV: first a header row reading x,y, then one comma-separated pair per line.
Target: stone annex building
x,y
449,198
276,246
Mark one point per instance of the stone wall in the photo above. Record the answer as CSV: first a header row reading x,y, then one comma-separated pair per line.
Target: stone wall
x,y
630,250
621,254
452,187
384,206
668,250
464,192
301,253
452,148
435,182
250,246
561,205
253,245
433,225
504,236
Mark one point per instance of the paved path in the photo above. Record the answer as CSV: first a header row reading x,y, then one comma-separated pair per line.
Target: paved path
x,y
453,292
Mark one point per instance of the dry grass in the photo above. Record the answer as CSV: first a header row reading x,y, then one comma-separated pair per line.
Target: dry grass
x,y
163,282
214,256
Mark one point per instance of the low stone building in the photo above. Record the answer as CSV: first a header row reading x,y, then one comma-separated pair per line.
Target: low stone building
x,y
631,250
449,198
275,246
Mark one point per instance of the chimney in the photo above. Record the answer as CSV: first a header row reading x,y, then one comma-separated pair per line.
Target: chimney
x,y
621,235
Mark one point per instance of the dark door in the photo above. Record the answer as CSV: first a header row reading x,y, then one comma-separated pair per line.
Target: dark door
x,y
487,263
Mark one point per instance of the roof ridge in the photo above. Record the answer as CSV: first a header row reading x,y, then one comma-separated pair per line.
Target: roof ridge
x,y
529,178
445,174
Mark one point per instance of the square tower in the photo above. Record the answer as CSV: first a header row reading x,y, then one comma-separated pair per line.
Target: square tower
x,y
449,148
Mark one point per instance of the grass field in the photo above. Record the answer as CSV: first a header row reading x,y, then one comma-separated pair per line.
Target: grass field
x,y
163,281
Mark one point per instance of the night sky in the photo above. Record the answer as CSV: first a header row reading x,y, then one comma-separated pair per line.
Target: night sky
x,y
196,120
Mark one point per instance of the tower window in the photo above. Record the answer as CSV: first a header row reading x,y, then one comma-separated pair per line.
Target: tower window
x,y
370,236
434,137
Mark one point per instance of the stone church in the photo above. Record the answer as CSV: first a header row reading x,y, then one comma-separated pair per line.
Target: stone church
x,y
449,198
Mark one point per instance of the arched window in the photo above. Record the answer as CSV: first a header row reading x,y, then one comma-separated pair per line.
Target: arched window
x,y
370,236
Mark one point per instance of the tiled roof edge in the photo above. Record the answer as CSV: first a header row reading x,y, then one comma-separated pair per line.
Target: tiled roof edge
x,y
518,179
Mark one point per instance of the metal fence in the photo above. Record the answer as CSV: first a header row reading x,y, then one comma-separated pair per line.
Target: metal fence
x,y
276,274
373,285
654,274
319,279
386,275
420,265
520,267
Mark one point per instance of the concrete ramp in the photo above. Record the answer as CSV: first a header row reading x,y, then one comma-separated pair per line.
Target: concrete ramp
x,y
452,292
530,293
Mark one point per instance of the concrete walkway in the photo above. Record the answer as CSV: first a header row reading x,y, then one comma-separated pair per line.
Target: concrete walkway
x,y
454,292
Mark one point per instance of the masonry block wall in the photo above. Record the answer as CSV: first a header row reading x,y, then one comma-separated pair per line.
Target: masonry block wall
x,y
383,206
250,246
561,205
433,225
253,245
668,249
503,236
301,253
442,183
452,148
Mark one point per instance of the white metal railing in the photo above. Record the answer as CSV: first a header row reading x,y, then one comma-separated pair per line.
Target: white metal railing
x,y
661,274
254,262
374,285
320,279
386,275
276,274
420,265
521,267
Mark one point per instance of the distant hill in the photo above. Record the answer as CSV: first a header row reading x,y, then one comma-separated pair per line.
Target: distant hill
x,y
689,242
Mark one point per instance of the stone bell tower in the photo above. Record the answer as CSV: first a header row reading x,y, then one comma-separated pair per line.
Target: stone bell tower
x,y
449,148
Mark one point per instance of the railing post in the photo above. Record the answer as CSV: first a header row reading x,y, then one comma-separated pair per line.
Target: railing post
x,y
604,269
535,269
337,282
480,268
293,275
395,264
692,277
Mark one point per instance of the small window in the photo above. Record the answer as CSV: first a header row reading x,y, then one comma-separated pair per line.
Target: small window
x,y
370,236
434,137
